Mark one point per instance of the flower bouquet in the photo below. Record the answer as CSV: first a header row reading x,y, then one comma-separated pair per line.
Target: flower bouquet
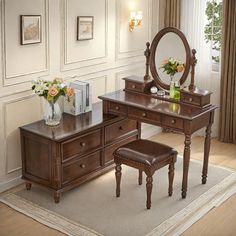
x,y
51,91
172,66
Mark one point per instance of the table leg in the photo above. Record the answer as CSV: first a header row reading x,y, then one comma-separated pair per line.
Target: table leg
x,y
186,160
207,145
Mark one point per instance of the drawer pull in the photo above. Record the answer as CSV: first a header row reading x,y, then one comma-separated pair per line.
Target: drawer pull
x,y
82,144
173,121
117,108
120,128
82,166
190,99
133,86
144,114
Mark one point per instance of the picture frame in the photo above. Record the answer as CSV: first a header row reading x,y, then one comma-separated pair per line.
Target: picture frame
x,y
30,29
85,27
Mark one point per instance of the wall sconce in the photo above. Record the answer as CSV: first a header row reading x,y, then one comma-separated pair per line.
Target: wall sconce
x,y
135,19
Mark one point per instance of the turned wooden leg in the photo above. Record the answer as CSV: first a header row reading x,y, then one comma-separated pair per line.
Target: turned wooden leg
x,y
28,185
186,160
171,177
207,145
140,177
118,179
149,180
57,197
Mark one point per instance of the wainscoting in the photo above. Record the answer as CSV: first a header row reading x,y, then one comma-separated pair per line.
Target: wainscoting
x,y
114,52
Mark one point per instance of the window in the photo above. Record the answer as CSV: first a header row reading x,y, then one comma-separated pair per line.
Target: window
x,y
213,30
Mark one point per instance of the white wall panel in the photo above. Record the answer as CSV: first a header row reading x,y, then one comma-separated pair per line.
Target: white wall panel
x,y
17,113
23,59
131,44
88,50
99,86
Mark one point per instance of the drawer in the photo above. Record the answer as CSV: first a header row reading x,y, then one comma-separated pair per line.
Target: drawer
x,y
117,109
144,115
134,86
190,99
173,122
118,129
81,167
110,149
82,145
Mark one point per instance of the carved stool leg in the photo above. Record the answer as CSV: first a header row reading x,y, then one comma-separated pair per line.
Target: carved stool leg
x,y
57,197
140,177
118,179
149,180
28,185
171,178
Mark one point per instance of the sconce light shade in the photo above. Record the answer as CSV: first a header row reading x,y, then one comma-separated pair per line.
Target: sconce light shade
x,y
135,19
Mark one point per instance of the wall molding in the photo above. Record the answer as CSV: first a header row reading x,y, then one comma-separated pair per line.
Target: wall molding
x,y
17,79
121,74
131,53
4,104
77,64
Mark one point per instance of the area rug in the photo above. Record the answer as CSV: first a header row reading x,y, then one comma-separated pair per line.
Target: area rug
x,y
93,209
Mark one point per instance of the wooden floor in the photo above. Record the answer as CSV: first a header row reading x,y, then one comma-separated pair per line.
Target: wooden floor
x,y
219,221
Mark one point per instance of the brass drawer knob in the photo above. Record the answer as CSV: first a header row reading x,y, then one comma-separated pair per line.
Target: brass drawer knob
x,y
82,166
82,144
173,121
133,86
190,99
144,114
117,108
120,128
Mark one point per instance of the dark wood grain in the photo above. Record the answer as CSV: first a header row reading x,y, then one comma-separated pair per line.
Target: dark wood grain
x,y
184,118
63,157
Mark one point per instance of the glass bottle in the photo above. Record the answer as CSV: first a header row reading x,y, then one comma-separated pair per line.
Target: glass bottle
x,y
172,89
177,91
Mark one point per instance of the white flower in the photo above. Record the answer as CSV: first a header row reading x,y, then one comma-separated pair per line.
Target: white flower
x,y
62,85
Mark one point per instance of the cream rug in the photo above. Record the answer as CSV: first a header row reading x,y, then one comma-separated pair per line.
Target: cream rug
x,y
93,209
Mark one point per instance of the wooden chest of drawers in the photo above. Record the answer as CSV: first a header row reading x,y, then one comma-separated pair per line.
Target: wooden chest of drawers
x,y
77,150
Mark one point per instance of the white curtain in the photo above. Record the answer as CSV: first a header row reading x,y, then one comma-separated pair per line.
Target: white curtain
x,y
193,21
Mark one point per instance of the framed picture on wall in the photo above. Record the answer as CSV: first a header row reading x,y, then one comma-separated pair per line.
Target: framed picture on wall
x,y
85,27
30,29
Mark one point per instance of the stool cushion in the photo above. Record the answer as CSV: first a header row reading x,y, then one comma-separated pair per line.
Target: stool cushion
x,y
145,151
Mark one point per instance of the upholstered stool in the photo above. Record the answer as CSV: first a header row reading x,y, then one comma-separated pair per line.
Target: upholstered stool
x,y
146,156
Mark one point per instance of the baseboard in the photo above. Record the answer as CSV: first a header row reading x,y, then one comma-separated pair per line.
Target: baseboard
x,y
8,184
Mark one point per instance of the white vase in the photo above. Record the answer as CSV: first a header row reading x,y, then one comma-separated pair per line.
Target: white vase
x,y
52,114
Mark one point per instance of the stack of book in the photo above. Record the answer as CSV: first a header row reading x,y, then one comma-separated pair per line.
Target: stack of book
x,y
81,102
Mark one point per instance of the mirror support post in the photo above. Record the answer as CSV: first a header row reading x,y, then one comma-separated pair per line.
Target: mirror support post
x,y
193,64
147,55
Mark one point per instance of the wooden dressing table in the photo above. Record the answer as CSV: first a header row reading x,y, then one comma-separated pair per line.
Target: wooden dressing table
x,y
192,112
179,117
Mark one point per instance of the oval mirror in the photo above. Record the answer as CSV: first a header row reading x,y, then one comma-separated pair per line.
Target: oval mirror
x,y
169,44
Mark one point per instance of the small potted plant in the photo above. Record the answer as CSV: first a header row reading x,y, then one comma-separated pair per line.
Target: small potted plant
x,y
51,91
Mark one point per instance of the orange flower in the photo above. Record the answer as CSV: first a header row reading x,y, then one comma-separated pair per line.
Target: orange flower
x,y
52,91
70,92
180,68
165,61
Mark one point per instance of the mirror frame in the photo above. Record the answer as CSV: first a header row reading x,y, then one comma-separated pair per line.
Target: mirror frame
x,y
155,42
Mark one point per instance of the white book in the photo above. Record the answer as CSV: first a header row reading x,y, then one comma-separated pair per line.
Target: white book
x,y
74,105
86,91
